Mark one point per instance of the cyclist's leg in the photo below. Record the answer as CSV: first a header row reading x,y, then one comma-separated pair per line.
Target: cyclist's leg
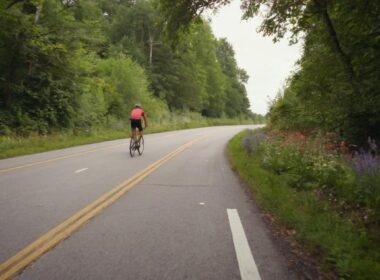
x,y
134,127
134,133
140,129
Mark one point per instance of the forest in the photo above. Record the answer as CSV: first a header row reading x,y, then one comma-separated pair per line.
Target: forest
x,y
336,85
72,65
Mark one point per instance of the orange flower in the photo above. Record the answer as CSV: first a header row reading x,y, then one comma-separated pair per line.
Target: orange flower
x,y
343,147
330,146
331,134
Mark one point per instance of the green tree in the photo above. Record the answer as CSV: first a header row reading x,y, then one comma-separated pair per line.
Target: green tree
x,y
336,86
237,102
36,85
322,86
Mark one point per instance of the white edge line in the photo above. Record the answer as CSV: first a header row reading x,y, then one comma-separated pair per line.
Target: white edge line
x,y
247,265
81,170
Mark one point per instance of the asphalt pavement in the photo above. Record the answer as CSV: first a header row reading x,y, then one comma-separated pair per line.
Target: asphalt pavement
x,y
186,216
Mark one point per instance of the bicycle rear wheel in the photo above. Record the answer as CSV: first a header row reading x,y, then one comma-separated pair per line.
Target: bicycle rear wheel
x,y
132,147
140,148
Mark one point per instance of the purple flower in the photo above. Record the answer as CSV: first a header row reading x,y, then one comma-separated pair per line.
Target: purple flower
x,y
365,163
372,144
252,140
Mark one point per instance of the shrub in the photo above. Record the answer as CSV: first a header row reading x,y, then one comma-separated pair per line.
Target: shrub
x,y
306,166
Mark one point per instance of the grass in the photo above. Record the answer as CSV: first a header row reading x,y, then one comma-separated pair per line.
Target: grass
x,y
344,247
11,147
16,146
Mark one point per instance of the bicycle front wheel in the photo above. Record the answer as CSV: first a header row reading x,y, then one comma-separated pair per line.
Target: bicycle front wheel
x,y
132,147
141,146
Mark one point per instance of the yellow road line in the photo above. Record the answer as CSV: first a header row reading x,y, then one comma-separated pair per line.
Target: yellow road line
x,y
46,242
59,158
68,156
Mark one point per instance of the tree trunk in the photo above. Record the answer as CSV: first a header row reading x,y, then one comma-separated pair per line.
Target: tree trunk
x,y
9,81
36,19
38,11
151,42
345,59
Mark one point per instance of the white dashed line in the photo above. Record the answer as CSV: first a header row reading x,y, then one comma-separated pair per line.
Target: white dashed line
x,y
247,265
81,170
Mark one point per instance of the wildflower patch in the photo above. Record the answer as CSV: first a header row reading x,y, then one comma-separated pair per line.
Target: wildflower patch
x,y
329,196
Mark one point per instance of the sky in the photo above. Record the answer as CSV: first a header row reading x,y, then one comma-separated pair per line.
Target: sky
x,y
268,64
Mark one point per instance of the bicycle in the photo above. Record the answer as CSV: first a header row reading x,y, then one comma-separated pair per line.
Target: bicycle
x,y
136,145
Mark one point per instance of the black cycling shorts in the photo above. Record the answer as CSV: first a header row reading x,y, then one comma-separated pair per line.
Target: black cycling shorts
x,y
136,124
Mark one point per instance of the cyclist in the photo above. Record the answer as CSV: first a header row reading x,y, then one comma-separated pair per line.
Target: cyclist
x,y
136,115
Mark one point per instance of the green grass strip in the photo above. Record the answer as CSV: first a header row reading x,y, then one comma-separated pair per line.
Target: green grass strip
x,y
320,230
12,146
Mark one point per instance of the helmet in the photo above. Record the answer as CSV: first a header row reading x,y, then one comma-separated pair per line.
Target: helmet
x,y
137,105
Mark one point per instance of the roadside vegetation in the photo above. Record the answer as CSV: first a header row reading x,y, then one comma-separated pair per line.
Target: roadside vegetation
x,y
72,71
11,146
326,196
335,85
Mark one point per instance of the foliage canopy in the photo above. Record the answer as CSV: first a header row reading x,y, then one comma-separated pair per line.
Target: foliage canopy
x,y
82,64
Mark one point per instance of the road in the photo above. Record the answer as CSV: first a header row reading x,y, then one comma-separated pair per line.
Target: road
x,y
179,212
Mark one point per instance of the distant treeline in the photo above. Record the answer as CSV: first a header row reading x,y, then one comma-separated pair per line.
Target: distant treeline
x,y
83,63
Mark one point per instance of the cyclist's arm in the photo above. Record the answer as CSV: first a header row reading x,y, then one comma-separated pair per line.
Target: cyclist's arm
x,y
145,122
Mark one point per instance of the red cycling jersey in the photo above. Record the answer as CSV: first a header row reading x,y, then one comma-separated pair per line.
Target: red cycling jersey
x,y
137,113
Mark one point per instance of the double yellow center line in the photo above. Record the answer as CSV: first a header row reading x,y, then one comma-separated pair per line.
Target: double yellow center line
x,y
46,242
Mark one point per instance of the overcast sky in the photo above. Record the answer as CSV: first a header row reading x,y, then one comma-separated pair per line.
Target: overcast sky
x,y
267,64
